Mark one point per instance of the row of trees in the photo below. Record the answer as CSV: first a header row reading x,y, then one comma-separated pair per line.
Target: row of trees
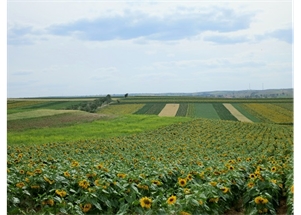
x,y
91,106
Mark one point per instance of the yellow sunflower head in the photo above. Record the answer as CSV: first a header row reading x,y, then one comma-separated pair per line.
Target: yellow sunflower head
x,y
172,200
145,202
252,176
273,169
225,189
182,182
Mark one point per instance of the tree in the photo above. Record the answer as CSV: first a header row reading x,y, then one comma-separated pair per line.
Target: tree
x,y
126,95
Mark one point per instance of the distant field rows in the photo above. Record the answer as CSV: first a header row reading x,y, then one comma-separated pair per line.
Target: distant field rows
x,y
278,111
236,113
247,112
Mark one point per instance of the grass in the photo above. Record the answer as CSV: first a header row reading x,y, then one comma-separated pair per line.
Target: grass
x,y
127,124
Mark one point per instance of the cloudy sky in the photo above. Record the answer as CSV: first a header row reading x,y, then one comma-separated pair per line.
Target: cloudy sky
x,y
78,48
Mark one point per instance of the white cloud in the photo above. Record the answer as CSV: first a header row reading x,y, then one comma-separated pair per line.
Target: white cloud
x,y
146,47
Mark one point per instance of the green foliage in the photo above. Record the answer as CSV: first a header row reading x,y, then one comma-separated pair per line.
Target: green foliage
x,y
223,112
112,176
151,108
202,110
91,106
182,111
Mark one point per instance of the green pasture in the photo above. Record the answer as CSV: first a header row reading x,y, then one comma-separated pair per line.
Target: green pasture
x,y
123,125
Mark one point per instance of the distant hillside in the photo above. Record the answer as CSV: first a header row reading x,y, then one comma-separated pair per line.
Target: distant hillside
x,y
268,93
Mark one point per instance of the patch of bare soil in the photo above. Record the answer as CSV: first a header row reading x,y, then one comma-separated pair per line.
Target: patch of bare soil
x,y
282,209
169,110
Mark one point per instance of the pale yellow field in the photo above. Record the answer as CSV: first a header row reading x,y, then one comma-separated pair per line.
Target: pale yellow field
x,y
236,113
169,110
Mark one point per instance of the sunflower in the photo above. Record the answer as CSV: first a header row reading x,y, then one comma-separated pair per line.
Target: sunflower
x,y
38,171
86,207
141,186
156,182
145,202
182,182
260,200
213,183
231,168
66,174
252,176
259,168
84,184
202,175
74,164
201,202
35,186
22,171
30,173
61,193
91,175
189,177
50,202
184,213
48,180
121,175
216,173
96,182
292,189
274,181
99,166
214,200
273,169
186,191
20,184
225,189
171,200
251,184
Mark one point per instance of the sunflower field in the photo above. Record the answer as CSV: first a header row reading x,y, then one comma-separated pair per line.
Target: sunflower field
x,y
201,166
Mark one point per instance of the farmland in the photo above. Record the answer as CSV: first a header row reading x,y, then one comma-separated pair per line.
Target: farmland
x,y
125,159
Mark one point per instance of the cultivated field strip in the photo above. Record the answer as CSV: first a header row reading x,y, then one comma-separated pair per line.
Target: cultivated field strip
x,y
236,113
169,110
37,113
271,113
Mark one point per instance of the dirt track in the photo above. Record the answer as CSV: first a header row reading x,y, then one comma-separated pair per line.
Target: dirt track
x,y
236,113
169,110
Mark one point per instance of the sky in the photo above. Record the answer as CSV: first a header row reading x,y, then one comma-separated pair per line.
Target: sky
x,y
80,48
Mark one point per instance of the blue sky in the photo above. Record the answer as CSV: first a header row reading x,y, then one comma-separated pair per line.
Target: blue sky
x,y
67,48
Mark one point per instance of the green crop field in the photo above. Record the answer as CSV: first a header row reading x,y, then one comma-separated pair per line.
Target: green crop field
x,y
125,159
202,110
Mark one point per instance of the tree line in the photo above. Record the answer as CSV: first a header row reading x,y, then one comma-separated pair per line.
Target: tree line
x,y
91,106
